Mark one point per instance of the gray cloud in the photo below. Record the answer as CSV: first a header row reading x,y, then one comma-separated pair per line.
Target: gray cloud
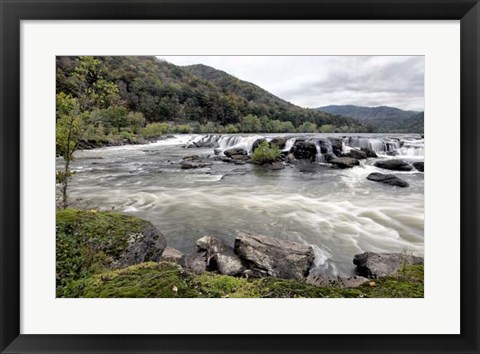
x,y
314,81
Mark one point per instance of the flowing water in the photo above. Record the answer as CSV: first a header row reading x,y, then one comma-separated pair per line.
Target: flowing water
x,y
339,212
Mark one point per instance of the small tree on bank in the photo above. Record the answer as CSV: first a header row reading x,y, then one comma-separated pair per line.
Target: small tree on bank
x,y
71,125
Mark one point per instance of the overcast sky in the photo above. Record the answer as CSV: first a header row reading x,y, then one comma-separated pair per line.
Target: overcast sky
x,y
315,81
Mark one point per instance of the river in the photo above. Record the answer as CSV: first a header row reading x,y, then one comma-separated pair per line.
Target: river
x,y
339,212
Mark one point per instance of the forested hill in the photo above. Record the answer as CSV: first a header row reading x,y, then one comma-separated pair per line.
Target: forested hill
x,y
196,96
384,119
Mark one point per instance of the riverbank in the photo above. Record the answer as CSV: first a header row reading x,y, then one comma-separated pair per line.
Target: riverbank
x,y
106,254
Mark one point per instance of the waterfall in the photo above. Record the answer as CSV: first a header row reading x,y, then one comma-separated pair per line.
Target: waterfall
x,y
405,146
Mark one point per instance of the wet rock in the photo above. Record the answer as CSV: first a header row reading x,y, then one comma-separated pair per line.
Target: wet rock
x,y
196,262
275,166
290,157
268,256
219,256
223,158
357,154
240,157
304,150
337,145
419,166
395,165
344,162
256,143
187,165
172,255
147,245
217,151
376,265
280,141
339,281
235,151
329,157
391,180
191,158
325,145
369,152
202,144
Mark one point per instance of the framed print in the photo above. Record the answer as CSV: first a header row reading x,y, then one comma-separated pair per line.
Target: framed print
x,y
239,176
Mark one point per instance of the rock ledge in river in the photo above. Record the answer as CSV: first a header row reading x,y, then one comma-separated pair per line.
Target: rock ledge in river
x,y
396,165
391,180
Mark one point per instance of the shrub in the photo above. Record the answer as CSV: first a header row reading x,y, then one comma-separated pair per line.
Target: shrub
x,y
265,153
155,130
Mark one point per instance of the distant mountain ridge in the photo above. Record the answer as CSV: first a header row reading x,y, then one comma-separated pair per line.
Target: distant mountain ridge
x,y
385,119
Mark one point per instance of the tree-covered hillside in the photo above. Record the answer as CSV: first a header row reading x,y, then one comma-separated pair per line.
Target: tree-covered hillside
x,y
384,119
200,97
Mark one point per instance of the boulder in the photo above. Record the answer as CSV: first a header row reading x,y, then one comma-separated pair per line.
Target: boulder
x,y
196,262
235,151
191,158
219,256
337,145
419,165
240,157
357,154
376,265
268,256
280,141
395,165
304,150
391,180
369,152
256,143
146,245
344,162
187,165
172,255
321,280
217,151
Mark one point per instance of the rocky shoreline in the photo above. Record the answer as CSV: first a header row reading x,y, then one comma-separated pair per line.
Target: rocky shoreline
x,y
90,244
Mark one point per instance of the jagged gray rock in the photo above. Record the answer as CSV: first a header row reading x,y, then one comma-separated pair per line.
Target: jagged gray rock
x,y
376,265
145,246
268,256
219,256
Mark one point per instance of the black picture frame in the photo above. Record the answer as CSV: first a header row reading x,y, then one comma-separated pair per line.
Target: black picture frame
x,y
14,11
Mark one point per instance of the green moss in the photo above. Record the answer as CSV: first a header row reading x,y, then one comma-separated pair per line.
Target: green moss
x,y
87,242
154,280
146,280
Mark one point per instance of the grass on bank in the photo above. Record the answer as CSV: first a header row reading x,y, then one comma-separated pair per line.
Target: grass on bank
x,y
167,280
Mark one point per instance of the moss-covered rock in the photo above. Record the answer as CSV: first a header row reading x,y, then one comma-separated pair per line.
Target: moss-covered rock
x,y
90,242
154,280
